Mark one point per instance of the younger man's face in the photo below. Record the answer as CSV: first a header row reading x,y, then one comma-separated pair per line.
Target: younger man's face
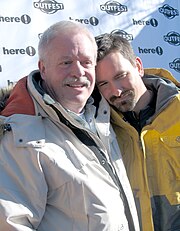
x,y
119,81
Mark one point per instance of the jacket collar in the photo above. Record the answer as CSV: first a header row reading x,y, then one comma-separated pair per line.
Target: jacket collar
x,y
19,101
163,88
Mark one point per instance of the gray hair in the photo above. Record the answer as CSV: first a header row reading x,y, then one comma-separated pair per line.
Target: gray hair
x,y
60,28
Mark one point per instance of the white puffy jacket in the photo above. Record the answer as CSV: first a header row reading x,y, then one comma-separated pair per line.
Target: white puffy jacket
x,y
50,180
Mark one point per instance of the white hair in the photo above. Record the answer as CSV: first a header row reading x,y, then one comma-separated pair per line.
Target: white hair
x,y
60,28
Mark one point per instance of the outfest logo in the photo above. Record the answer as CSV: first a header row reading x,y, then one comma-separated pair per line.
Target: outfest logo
x,y
123,34
113,8
172,38
168,11
48,6
175,64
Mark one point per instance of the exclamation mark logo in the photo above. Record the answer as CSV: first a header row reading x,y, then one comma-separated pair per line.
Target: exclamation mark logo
x,y
94,21
25,19
30,51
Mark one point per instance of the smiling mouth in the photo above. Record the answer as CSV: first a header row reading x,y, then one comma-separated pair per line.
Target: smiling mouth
x,y
74,82
76,85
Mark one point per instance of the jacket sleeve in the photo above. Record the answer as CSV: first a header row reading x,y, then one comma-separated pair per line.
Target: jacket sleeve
x,y
23,189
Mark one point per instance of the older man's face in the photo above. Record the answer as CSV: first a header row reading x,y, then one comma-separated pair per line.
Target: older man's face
x,y
68,70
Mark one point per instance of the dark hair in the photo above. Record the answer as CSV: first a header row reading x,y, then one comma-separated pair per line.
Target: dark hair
x,y
113,42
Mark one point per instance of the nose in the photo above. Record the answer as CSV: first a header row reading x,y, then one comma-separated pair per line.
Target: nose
x,y
115,90
77,69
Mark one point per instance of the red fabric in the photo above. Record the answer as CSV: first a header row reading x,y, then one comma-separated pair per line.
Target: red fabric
x,y
19,102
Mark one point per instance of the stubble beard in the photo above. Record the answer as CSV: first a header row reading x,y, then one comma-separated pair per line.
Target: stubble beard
x,y
126,104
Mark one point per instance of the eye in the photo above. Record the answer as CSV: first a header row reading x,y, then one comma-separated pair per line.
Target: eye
x,y
87,63
65,62
121,76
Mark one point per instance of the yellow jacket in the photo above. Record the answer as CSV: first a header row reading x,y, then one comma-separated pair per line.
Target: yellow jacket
x,y
152,159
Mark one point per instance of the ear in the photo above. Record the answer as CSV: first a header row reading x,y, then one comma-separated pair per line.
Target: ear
x,y
139,66
41,68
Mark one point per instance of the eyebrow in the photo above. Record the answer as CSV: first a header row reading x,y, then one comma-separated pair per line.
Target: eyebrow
x,y
65,57
82,56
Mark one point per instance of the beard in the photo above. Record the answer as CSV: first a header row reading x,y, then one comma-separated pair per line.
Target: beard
x,y
125,102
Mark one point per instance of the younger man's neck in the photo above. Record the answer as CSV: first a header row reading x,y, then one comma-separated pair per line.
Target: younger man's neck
x,y
143,101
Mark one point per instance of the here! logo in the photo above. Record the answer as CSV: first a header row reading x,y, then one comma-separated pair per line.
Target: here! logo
x,y
113,8
24,19
19,51
48,6
92,20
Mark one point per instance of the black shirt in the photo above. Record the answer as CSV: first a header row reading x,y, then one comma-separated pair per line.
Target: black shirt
x,y
138,122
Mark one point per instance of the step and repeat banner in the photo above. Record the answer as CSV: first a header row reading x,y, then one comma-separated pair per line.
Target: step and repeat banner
x,y
152,26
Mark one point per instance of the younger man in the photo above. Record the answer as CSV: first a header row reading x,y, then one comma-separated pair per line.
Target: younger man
x,y
146,118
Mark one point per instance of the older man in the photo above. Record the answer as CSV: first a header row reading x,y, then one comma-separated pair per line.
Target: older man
x,y
61,168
